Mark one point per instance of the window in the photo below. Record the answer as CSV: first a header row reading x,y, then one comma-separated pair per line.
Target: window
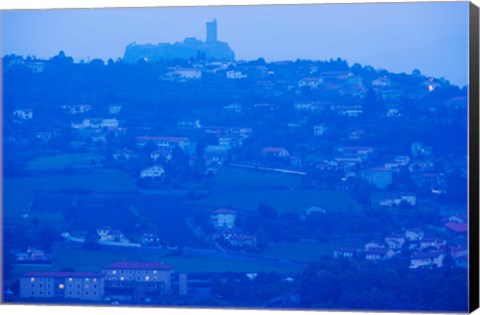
x,y
114,272
48,292
41,285
147,278
32,292
32,285
32,279
70,279
61,286
94,279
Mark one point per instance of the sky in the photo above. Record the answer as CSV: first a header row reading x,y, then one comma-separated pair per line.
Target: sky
x,y
398,37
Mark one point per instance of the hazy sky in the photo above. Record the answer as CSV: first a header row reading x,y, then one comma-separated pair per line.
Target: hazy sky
x,y
432,37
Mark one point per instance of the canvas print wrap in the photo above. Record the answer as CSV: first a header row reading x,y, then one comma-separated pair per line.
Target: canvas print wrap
x,y
269,157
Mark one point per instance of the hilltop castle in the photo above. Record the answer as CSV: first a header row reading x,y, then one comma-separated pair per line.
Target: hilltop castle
x,y
210,49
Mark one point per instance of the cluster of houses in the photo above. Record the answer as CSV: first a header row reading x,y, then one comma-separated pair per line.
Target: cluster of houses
x,y
118,281
353,160
425,252
223,220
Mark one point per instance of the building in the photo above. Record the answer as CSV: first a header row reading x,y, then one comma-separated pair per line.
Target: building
x,y
346,252
23,114
223,218
233,74
155,171
77,109
427,260
395,241
137,281
319,130
379,177
211,31
414,234
378,253
62,285
167,143
312,82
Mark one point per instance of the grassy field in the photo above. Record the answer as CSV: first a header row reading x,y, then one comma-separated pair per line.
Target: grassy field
x,y
282,200
239,178
306,251
62,161
18,192
93,261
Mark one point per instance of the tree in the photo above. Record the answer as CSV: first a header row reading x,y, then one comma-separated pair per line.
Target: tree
x,y
267,212
372,104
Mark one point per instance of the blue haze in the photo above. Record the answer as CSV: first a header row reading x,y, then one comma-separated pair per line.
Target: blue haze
x,y
432,37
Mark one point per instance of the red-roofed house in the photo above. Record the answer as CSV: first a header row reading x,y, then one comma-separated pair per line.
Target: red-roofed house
x,y
67,285
137,281
457,227
223,218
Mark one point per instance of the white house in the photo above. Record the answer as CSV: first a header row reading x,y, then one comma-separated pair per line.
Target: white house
x,y
312,82
155,171
188,73
315,209
437,243
380,177
395,241
345,252
24,114
319,130
427,260
234,107
232,74
379,253
114,109
414,234
77,109
223,218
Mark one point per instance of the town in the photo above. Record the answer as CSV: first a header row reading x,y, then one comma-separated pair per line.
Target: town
x,y
206,180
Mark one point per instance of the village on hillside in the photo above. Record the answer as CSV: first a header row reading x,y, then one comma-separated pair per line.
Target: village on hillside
x,y
220,182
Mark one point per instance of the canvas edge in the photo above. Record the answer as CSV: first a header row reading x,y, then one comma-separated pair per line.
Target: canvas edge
x,y
474,218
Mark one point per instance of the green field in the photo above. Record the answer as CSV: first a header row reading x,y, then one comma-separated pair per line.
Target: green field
x,y
63,161
244,178
306,251
282,200
19,192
